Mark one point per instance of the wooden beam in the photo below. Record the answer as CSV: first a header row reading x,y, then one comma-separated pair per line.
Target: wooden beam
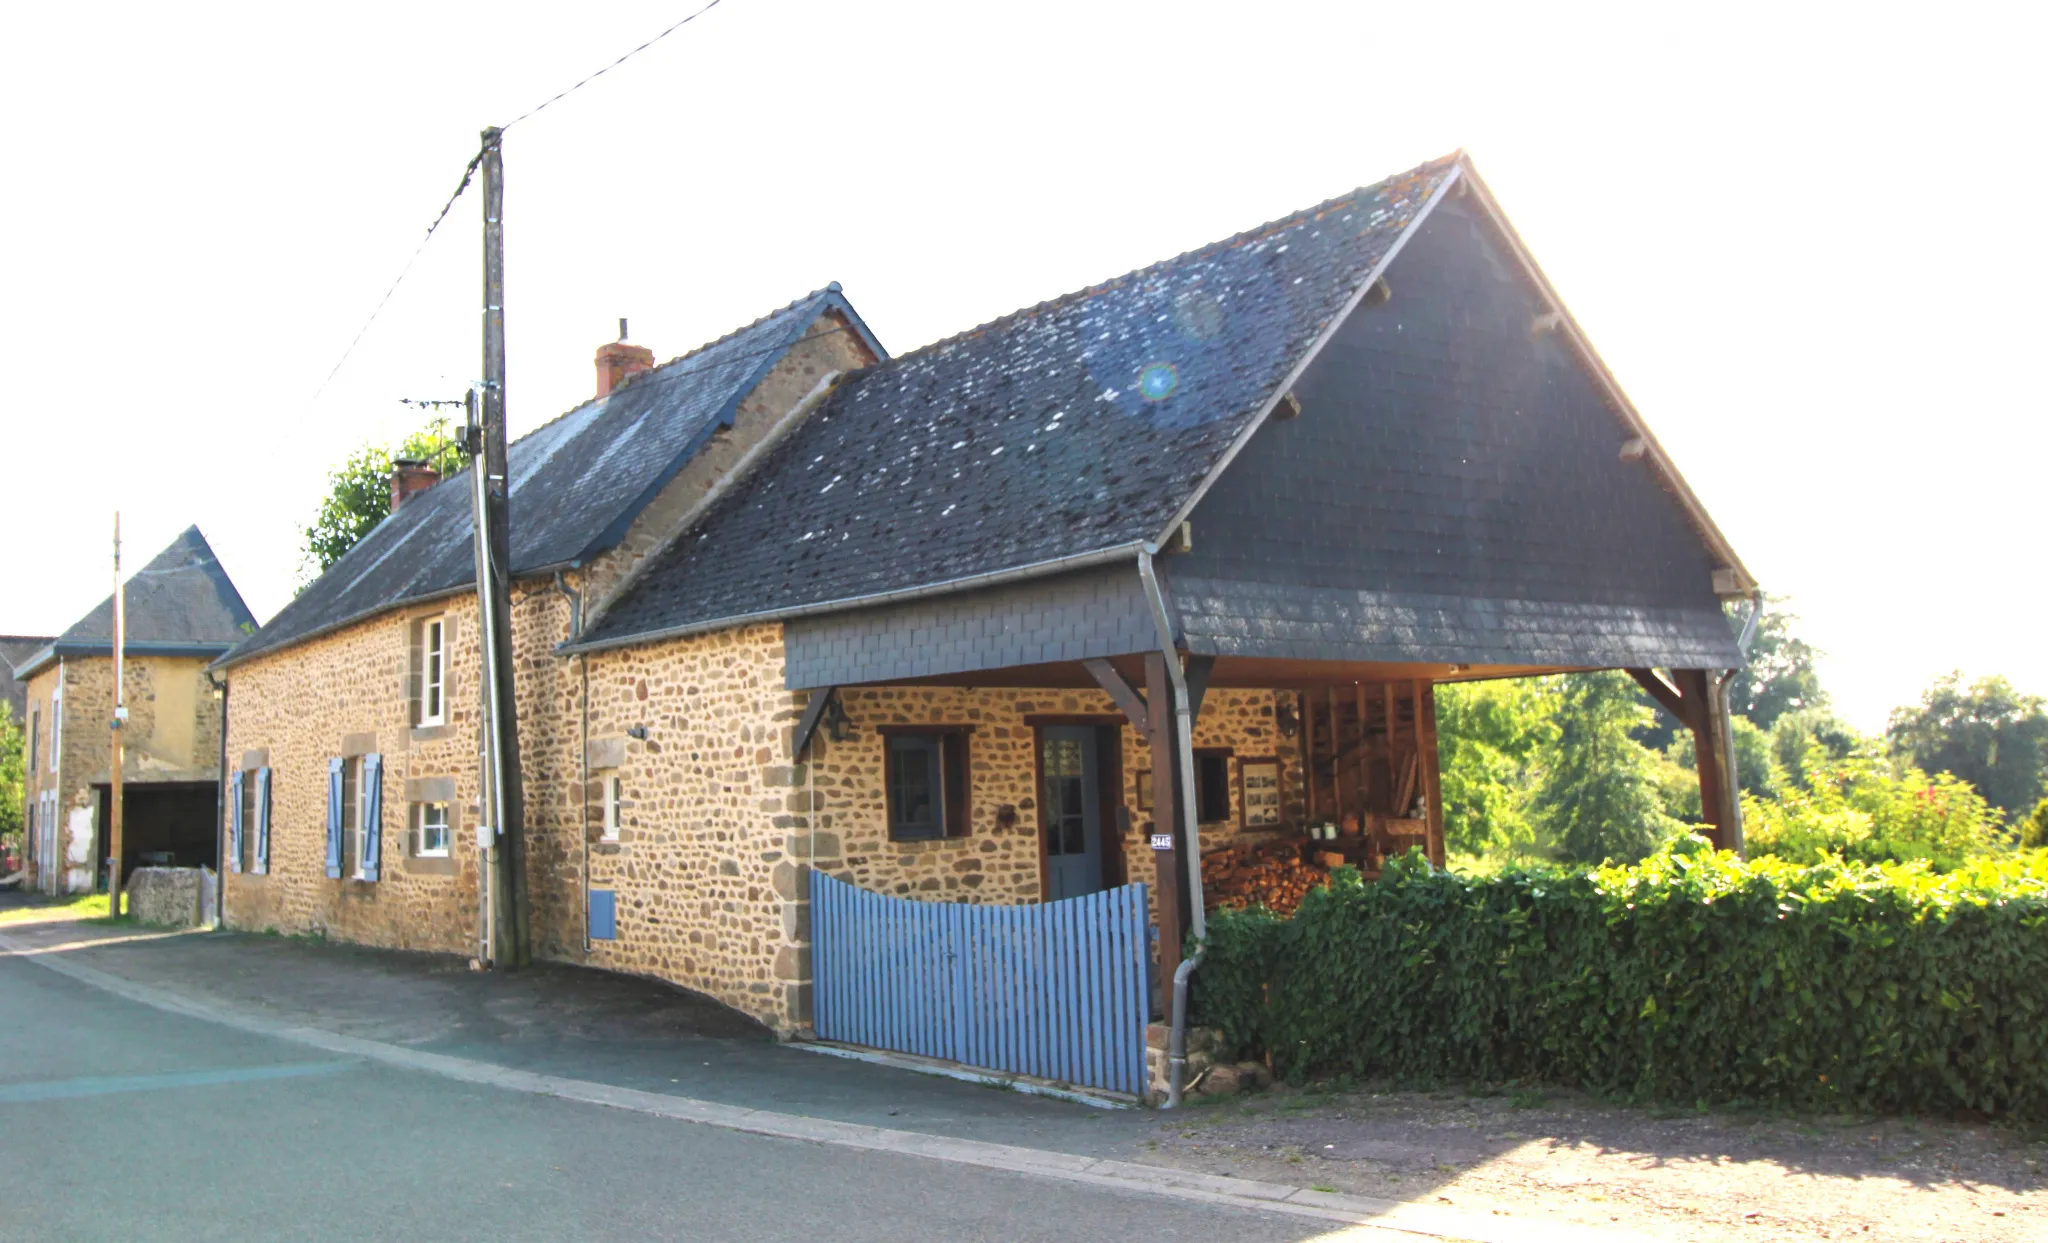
x,y
1308,753
1165,819
1708,755
807,725
1364,760
1123,695
1432,779
1667,696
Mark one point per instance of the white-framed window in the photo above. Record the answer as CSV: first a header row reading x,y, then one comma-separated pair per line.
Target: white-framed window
x,y
56,718
430,822
250,804
359,821
609,783
434,671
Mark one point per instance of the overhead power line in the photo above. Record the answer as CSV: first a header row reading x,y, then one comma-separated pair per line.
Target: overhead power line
x,y
614,65
469,174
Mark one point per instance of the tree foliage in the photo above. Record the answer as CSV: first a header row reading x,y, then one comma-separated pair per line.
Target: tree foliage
x,y
13,780
1987,733
1490,736
1598,798
359,493
1780,677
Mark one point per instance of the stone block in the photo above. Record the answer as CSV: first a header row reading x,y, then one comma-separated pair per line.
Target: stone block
x,y
825,845
796,922
1222,1081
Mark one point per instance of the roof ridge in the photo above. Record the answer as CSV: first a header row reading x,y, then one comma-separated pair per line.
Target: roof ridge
x,y
1288,221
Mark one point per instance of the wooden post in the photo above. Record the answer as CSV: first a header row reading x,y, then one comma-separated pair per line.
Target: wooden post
x,y
1364,762
1308,753
1708,744
510,912
1432,784
1165,819
120,719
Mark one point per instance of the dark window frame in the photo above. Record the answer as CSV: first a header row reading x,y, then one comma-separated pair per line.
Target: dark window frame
x,y
1212,781
946,750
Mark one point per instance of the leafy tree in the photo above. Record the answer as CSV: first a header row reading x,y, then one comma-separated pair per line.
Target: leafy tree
x,y
1987,733
13,749
359,494
1489,735
1598,797
1781,676
1796,733
2034,829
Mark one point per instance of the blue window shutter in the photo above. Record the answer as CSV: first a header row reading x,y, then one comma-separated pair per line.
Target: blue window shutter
x,y
373,814
235,821
334,773
262,821
604,915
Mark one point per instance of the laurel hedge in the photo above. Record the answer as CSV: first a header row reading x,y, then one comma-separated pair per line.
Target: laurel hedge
x,y
1693,977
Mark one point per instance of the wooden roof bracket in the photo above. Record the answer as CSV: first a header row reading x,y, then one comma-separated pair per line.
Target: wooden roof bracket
x,y
1126,697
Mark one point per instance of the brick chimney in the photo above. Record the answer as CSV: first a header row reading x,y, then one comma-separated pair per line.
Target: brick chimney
x,y
618,362
409,478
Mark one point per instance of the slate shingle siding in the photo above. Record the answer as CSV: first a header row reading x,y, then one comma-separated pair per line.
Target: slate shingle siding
x,y
1452,491
1098,612
576,481
1028,439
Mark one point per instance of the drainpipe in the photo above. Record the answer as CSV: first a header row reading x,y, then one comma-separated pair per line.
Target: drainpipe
x,y
575,599
1177,1042
488,858
220,813
1726,725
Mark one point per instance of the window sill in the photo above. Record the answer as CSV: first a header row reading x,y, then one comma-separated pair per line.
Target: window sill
x,y
430,733
604,848
430,865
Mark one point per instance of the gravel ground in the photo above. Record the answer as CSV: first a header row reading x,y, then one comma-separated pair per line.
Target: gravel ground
x,y
1672,1175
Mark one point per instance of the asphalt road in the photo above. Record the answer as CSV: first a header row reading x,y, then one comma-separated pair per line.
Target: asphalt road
x,y
121,1122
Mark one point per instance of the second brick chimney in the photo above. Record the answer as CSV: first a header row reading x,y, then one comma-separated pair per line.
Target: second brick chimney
x,y
618,362
409,478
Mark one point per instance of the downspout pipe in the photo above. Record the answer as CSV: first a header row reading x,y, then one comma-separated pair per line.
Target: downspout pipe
x,y
575,599
1184,754
220,812
1722,686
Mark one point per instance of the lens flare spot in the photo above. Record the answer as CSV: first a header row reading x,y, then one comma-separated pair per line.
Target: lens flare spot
x,y
1156,381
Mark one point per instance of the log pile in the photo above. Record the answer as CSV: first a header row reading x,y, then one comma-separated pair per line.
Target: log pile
x,y
1269,874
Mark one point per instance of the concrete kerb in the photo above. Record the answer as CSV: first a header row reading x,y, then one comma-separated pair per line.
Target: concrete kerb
x,y
1390,1218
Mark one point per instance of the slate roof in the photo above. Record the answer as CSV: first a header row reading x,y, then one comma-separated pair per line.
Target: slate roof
x,y
577,482
1078,425
14,649
182,602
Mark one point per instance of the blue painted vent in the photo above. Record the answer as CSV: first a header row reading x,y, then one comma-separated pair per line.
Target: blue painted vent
x,y
604,915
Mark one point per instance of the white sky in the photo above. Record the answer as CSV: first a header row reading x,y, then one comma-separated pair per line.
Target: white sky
x,y
1808,240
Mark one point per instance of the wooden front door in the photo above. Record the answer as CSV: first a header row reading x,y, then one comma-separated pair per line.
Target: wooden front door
x,y
1073,811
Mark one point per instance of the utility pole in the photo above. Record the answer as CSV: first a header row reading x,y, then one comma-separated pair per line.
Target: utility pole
x,y
120,719
511,945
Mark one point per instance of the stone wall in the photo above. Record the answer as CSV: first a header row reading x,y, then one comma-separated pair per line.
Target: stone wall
x,y
349,693
169,897
714,822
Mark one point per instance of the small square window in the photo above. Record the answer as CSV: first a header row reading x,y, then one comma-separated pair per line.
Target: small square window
x,y
609,785
432,829
926,784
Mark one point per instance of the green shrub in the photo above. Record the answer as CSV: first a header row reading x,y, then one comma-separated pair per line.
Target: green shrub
x,y
1692,977
1870,810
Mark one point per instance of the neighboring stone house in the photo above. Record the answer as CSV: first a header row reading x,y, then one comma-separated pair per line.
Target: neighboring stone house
x,y
181,612
931,636
15,648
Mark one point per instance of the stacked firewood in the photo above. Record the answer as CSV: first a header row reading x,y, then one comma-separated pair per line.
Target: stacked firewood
x,y
1269,874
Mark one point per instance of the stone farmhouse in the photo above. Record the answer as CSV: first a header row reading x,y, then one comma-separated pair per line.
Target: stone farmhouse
x,y
182,612
1169,564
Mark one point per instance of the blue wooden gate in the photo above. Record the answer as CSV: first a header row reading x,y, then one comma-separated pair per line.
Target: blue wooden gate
x,y
1056,990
